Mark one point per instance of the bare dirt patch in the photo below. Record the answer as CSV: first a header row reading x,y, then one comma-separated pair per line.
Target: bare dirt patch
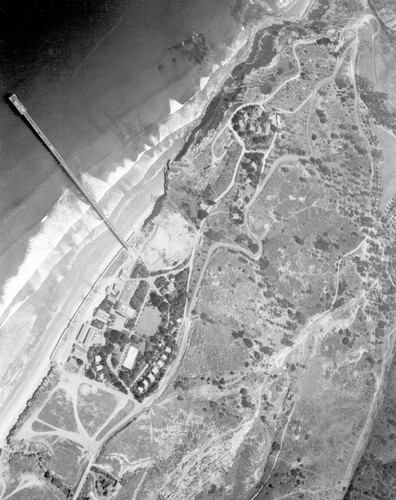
x,y
59,411
94,407
387,142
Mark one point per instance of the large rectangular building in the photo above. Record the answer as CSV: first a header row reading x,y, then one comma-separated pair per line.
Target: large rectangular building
x,y
130,358
83,331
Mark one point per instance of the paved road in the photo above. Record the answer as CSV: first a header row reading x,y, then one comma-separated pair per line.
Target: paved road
x,y
186,323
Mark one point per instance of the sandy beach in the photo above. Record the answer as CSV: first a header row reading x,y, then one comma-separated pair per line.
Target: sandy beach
x,y
55,290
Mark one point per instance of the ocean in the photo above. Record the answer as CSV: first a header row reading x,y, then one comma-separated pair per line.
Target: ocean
x,y
106,82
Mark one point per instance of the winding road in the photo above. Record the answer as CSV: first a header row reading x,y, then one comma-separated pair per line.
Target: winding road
x,y
183,337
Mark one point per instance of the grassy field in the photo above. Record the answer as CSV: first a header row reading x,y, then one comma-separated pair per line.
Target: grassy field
x,y
59,412
94,407
149,322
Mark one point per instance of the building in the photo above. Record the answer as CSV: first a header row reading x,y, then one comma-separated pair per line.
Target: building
x,y
113,290
97,359
78,350
118,321
151,377
160,363
101,315
83,331
155,370
171,287
130,358
98,339
128,291
203,206
73,362
89,335
168,350
164,357
124,310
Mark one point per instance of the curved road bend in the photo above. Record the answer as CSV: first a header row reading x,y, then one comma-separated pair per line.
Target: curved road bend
x,y
185,326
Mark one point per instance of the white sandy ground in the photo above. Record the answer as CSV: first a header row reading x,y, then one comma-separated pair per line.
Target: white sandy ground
x,y
109,192
18,384
169,243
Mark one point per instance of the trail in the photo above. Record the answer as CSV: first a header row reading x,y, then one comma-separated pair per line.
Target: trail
x,y
348,254
183,338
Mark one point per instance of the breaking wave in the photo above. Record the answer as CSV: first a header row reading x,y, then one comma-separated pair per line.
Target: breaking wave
x,y
71,216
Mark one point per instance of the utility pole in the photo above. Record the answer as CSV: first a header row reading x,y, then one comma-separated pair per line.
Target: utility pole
x,y
22,110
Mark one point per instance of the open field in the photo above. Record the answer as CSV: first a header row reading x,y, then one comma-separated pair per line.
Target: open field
x,y
264,300
59,411
94,407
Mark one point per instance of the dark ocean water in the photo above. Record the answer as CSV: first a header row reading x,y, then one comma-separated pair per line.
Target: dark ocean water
x,y
82,67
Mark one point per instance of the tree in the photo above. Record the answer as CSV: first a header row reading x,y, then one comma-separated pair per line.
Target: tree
x,y
107,349
156,300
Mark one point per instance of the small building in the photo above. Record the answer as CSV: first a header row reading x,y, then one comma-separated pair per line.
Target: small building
x,y
98,339
160,363
78,349
82,333
203,206
171,287
124,310
130,358
113,290
164,357
101,315
107,304
118,322
128,291
168,350
73,362
140,389
151,377
98,359
99,368
155,370
145,383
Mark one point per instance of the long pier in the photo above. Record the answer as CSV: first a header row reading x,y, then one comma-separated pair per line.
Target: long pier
x,y
22,110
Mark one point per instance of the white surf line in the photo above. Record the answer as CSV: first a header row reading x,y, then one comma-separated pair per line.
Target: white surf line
x,y
160,144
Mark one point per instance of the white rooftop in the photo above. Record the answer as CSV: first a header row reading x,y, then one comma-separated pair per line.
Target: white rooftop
x,y
130,358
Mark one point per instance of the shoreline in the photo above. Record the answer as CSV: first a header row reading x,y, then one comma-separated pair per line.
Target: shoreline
x,y
175,125
54,344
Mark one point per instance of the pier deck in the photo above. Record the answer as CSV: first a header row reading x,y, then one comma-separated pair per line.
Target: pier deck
x,y
22,110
